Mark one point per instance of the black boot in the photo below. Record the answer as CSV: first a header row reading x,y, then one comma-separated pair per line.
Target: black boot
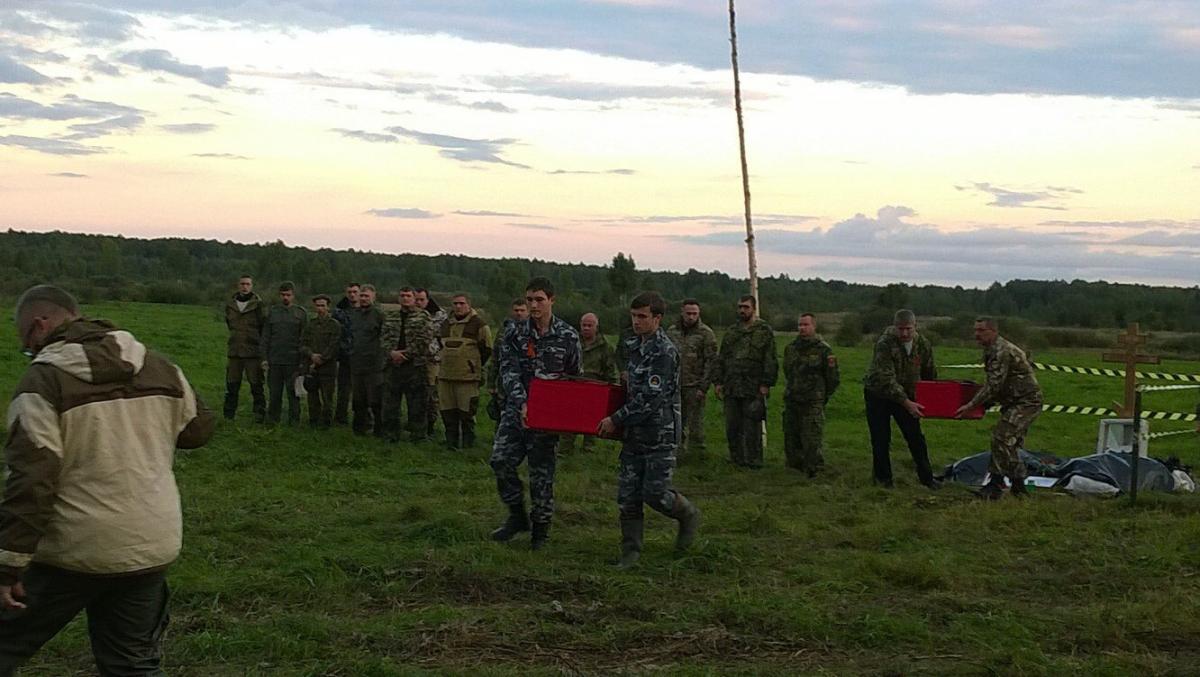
x,y
260,402
689,521
467,421
517,522
231,399
450,421
1018,487
632,531
540,535
993,490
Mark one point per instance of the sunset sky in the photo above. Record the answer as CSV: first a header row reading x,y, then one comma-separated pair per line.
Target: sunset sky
x,y
928,141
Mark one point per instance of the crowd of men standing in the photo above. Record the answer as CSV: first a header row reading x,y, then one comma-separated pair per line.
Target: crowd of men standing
x,y
356,356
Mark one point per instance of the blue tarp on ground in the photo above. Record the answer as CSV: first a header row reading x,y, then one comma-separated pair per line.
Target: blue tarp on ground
x,y
1112,469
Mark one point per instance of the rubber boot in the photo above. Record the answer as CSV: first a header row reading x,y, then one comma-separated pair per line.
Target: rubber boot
x,y
1018,489
632,531
517,522
993,490
450,422
689,521
231,399
540,535
467,422
260,402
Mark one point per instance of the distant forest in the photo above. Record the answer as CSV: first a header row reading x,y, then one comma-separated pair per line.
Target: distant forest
x,y
202,272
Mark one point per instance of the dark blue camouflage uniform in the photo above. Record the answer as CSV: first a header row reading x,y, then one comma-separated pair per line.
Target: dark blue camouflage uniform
x,y
522,354
652,425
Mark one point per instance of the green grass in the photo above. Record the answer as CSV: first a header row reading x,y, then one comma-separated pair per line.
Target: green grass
x,y
324,554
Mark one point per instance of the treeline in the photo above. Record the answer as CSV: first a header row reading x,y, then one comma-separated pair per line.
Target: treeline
x,y
182,271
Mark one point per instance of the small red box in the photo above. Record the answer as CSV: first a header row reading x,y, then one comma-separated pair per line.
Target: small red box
x,y
942,398
571,406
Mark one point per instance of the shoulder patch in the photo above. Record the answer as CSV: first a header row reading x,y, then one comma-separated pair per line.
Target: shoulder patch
x,y
655,381
832,360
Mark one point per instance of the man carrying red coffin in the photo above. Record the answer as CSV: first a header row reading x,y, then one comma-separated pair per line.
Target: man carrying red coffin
x,y
546,347
1012,385
652,425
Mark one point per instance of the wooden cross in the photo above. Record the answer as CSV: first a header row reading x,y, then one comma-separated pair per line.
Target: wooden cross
x,y
1130,341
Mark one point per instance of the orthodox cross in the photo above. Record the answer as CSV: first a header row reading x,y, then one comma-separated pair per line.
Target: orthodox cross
x,y
1130,342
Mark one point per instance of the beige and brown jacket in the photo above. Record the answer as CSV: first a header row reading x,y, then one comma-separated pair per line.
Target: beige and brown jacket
x,y
92,433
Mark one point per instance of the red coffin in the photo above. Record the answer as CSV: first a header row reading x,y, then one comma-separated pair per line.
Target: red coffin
x,y
571,406
942,398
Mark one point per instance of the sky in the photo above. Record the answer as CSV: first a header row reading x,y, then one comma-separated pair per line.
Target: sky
x,y
923,141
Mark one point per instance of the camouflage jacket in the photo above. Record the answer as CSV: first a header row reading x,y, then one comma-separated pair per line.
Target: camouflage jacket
x,y
281,334
1010,378
342,312
893,373
321,337
599,361
245,327
697,346
811,370
651,414
626,341
524,354
365,326
747,359
410,331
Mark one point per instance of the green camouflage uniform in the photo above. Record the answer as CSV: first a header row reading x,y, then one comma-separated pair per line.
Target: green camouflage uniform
x,y
891,379
812,376
322,336
745,363
281,348
1011,384
697,346
599,364
412,332
366,367
245,353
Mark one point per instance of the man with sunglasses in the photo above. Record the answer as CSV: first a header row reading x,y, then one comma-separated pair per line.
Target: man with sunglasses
x,y
91,516
546,347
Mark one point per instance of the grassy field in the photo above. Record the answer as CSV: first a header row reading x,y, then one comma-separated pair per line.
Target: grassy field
x,y
311,553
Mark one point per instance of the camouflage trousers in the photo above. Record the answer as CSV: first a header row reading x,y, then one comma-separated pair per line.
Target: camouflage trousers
x,y
513,445
432,400
803,435
644,478
1008,436
743,430
251,368
691,401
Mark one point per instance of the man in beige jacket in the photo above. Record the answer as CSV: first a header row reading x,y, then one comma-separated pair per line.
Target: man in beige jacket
x,y
91,517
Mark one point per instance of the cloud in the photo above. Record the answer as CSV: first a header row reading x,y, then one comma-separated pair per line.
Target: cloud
x,y
92,130
188,128
484,212
18,23
18,73
560,87
220,156
1038,199
370,137
1142,224
50,146
160,60
460,148
452,100
69,175
713,220
533,226
90,21
97,65
71,107
619,172
894,246
402,213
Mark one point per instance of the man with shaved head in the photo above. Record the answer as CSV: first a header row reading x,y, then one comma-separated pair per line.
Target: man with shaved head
x,y
91,516
599,364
